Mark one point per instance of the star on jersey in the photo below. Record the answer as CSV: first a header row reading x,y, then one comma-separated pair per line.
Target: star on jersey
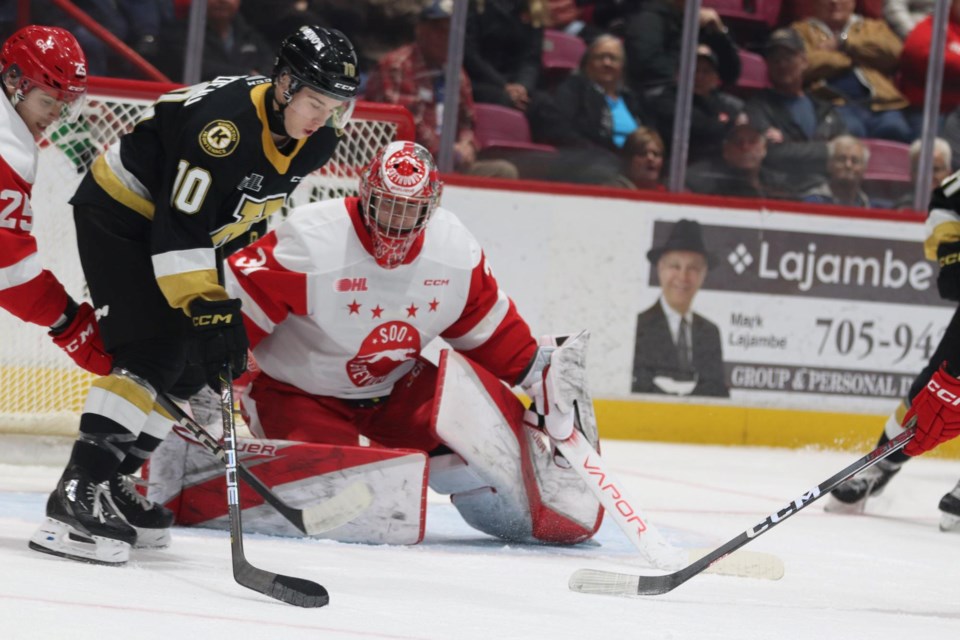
x,y
412,310
434,304
354,307
376,311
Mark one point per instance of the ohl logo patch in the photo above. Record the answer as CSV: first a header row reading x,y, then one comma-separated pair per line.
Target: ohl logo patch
x,y
219,138
386,347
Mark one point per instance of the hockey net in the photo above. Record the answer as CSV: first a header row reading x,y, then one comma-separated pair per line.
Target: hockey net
x,y
41,390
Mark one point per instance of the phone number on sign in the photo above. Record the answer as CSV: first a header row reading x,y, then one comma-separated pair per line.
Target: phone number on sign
x,y
862,339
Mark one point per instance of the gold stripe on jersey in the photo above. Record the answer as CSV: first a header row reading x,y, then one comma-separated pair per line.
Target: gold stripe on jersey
x,y
279,161
119,398
182,289
111,184
944,228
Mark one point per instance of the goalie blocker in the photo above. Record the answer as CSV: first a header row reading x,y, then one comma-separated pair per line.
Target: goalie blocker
x,y
524,496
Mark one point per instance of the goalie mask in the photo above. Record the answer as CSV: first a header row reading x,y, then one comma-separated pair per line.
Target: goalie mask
x,y
399,191
47,58
324,60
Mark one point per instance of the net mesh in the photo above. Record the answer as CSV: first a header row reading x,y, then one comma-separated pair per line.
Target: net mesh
x,y
41,390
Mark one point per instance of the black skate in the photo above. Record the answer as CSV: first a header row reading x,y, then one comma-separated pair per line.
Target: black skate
x,y
950,510
83,524
151,520
851,496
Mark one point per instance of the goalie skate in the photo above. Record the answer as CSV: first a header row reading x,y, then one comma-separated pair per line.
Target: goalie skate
x,y
82,523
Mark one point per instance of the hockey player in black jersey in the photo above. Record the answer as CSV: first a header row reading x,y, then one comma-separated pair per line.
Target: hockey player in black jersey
x,y
202,166
934,397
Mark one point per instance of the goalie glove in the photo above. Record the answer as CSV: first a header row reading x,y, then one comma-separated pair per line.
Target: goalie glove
x,y
78,334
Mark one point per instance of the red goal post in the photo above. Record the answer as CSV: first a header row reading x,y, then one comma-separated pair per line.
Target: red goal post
x,y
41,390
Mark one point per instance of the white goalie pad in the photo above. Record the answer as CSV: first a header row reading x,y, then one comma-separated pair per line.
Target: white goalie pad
x,y
503,479
186,478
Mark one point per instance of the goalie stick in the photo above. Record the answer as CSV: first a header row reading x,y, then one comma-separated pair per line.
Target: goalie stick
x,y
295,591
612,583
313,520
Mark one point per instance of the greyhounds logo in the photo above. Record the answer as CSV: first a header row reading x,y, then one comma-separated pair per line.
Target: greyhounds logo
x,y
404,172
386,348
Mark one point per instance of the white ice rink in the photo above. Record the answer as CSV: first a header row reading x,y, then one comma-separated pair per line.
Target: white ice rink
x,y
888,575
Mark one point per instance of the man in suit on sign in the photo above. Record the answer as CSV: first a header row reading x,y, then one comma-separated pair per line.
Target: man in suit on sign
x,y
677,351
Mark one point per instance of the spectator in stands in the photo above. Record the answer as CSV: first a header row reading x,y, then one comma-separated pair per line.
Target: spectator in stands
x,y
135,22
413,77
796,125
852,61
592,108
739,171
502,50
642,161
231,46
652,39
941,169
713,110
904,15
916,56
846,166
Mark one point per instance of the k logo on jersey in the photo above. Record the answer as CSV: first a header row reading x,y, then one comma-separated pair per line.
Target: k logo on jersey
x,y
219,138
383,350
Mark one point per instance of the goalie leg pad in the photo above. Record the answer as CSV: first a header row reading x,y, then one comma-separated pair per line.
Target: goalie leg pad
x,y
504,479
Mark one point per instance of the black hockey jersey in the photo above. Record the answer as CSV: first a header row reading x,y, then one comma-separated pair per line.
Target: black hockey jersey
x,y
198,170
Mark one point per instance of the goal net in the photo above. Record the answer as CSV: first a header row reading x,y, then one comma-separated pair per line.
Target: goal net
x,y
41,389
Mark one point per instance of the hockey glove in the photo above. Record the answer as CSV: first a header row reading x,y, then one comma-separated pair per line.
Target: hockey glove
x,y
79,336
937,411
222,337
948,280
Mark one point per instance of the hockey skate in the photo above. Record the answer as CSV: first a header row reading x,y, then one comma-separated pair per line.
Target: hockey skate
x,y
152,521
950,510
83,524
851,496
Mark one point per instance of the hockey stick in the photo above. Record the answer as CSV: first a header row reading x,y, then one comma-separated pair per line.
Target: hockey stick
x,y
612,583
315,519
640,530
295,591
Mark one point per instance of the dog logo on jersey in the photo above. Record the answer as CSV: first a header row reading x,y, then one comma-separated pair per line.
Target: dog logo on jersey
x,y
404,172
220,138
383,350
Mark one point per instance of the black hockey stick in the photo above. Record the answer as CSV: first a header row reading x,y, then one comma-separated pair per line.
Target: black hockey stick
x,y
295,591
612,583
315,519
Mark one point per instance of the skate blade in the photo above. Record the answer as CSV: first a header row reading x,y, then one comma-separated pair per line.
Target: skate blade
x,y
949,523
60,539
152,538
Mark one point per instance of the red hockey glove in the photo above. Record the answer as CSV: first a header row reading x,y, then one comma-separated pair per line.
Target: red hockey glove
x,y
937,409
80,338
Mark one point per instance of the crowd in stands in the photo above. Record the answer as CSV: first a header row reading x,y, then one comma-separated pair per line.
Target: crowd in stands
x,y
827,84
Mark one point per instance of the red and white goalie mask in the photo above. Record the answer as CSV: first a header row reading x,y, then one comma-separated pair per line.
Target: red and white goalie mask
x,y
399,191
47,72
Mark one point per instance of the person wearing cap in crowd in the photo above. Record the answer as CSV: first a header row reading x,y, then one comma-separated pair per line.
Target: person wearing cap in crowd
x,y
676,350
796,125
413,76
739,171
713,111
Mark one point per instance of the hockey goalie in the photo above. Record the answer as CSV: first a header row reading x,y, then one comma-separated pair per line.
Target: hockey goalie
x,y
339,302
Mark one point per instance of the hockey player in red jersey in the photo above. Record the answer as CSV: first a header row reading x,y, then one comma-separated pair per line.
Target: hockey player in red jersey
x,y
202,166
339,303
44,79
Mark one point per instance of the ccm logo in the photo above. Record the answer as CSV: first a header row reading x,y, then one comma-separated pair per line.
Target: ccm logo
x,y
350,284
944,395
435,283
85,334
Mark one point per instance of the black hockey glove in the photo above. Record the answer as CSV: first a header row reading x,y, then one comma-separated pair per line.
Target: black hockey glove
x,y
948,280
222,337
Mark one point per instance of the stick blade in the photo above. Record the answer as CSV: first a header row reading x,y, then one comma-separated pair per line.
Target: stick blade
x,y
744,564
604,583
295,591
337,510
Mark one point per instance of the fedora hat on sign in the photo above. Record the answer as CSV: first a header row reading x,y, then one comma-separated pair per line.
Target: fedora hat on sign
x,y
686,235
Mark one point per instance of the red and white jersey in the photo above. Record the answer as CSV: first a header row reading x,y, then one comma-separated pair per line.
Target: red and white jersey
x,y
324,317
26,289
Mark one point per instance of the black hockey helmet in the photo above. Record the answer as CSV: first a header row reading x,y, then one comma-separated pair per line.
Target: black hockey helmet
x,y
320,58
